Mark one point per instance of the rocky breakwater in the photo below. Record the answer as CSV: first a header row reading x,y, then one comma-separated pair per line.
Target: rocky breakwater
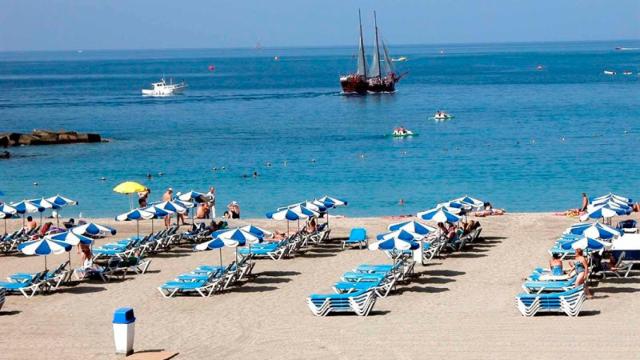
x,y
45,137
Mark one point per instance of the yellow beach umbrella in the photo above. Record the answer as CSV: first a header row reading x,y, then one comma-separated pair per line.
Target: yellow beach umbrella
x,y
129,187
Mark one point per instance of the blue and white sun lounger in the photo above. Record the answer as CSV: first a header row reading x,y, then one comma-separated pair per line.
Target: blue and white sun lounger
x,y
358,236
570,302
360,303
28,288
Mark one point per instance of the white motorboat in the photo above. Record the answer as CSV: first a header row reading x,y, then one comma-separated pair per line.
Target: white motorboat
x,y
442,116
399,59
163,88
609,72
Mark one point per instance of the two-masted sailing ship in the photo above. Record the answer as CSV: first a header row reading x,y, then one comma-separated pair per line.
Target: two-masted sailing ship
x,y
380,78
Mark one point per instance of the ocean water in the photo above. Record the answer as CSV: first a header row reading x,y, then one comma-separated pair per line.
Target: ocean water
x,y
526,140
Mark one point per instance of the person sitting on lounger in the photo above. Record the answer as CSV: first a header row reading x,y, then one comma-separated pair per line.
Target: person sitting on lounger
x,y
555,265
233,211
31,224
312,226
580,267
69,224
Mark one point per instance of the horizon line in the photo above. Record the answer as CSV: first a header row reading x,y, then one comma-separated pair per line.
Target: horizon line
x,y
292,47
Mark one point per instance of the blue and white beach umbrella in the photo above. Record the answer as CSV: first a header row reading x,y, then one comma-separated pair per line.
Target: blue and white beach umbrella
x,y
258,231
594,230
285,214
194,197
611,196
242,237
454,207
332,202
311,205
71,238
589,244
412,227
6,212
473,202
135,215
93,229
43,203
439,214
60,201
26,207
173,206
602,212
44,247
216,243
396,242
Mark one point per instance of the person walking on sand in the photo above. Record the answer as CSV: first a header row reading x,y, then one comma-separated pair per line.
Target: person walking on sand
x,y
580,267
167,196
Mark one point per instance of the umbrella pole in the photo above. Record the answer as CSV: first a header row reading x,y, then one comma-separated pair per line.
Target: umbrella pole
x,y
327,217
220,257
152,225
138,228
45,262
5,225
287,228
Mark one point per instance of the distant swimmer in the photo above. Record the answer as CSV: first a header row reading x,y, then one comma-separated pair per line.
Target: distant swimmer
x,y
285,163
149,176
223,168
362,156
563,138
214,168
160,173
255,174
401,202
103,179
313,160
35,184
268,164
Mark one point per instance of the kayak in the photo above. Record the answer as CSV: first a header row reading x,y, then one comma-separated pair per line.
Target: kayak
x,y
442,118
409,133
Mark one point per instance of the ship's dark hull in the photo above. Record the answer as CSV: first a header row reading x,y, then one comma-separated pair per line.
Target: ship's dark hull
x,y
354,85
382,87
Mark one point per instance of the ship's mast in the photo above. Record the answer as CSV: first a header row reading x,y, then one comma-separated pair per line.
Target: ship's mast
x,y
362,61
375,22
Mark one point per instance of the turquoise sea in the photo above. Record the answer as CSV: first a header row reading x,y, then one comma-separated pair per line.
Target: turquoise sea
x,y
527,140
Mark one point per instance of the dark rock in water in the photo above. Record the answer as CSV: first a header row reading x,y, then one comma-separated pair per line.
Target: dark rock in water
x,y
5,155
47,137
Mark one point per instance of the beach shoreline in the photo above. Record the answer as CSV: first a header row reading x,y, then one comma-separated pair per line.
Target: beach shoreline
x,y
462,306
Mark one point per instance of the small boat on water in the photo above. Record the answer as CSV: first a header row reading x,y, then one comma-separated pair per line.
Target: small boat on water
x,y
609,72
162,88
627,73
402,132
399,59
442,116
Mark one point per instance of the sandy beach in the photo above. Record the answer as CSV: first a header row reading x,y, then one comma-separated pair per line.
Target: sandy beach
x,y
459,307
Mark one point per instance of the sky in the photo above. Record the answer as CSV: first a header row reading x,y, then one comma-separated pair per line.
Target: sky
x,y
161,24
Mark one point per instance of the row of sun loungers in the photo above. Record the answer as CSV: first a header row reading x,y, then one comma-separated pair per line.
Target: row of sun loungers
x,y
206,280
433,245
28,284
288,247
358,290
9,242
